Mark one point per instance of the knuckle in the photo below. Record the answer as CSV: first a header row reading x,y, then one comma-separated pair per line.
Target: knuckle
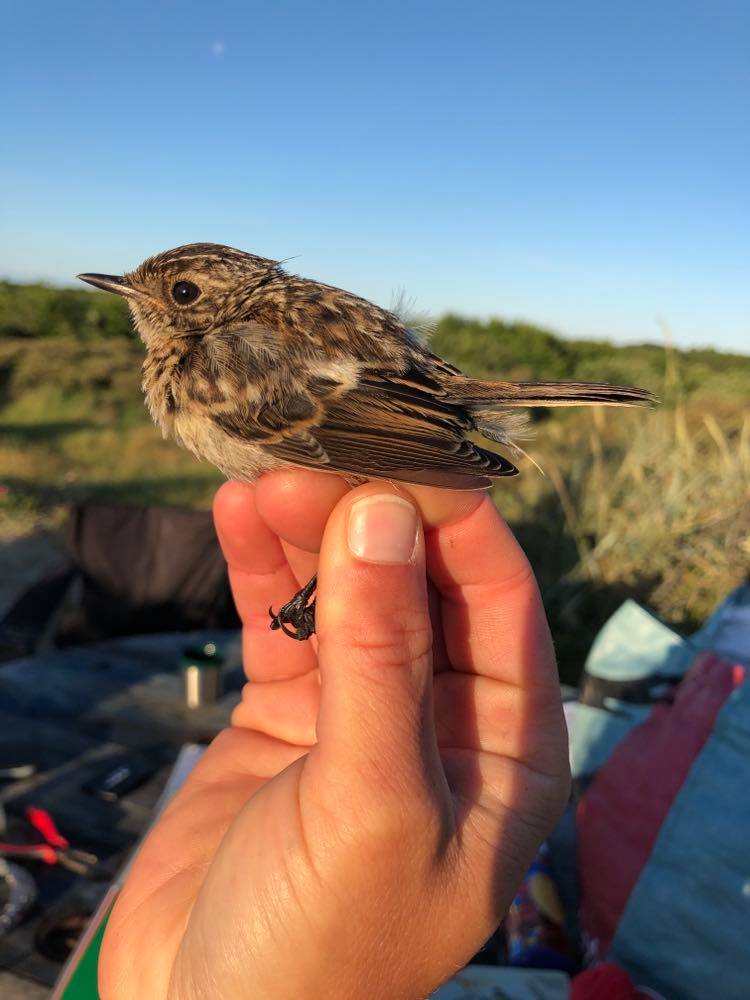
x,y
404,638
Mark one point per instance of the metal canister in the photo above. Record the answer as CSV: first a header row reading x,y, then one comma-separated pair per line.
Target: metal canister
x,y
202,673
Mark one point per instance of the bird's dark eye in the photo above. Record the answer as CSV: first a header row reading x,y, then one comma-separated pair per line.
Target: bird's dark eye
x,y
185,292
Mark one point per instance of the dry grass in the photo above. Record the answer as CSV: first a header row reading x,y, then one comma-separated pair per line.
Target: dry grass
x,y
650,505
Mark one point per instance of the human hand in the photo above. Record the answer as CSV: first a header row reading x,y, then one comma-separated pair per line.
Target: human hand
x,y
362,827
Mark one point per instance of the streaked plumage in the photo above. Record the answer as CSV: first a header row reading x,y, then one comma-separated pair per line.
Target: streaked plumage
x,y
263,369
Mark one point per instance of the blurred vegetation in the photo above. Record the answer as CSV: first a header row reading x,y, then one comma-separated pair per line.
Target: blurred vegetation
x,y
41,311
520,351
653,505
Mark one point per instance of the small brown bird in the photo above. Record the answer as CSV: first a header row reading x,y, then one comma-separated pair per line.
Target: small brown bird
x,y
253,368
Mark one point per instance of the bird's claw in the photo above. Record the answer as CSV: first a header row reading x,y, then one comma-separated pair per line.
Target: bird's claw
x,y
299,613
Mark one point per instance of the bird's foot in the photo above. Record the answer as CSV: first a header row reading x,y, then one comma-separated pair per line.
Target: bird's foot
x,y
299,613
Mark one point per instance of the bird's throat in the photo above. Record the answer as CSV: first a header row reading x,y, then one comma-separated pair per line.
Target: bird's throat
x,y
162,376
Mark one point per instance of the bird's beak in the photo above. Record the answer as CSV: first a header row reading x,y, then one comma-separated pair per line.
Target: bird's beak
x,y
109,283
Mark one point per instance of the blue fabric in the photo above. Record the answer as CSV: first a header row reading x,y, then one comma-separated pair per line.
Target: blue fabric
x,y
595,732
686,927
635,644
561,844
727,631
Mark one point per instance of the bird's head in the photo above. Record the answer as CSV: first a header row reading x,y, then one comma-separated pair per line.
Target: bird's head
x,y
189,291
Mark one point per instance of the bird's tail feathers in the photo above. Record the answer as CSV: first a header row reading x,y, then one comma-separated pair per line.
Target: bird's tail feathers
x,y
493,404
477,393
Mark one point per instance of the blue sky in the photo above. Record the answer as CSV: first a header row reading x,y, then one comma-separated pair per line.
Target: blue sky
x,y
584,165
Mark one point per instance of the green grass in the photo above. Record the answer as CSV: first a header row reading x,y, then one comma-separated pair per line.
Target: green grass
x,y
73,426
649,504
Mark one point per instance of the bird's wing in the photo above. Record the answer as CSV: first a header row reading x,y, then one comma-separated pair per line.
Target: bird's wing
x,y
387,426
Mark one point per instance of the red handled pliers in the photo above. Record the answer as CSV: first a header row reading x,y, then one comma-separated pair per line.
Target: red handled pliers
x,y
56,849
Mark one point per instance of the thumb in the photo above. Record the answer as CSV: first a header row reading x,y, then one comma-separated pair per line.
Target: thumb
x,y
375,644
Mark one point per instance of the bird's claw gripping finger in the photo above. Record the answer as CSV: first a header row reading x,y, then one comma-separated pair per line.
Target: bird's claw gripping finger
x,y
299,613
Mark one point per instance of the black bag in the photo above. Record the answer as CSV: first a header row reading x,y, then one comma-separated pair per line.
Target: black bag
x,y
130,570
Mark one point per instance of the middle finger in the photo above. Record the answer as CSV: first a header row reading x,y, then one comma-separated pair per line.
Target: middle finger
x,y
260,577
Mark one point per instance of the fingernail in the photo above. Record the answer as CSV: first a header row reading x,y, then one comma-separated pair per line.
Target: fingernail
x,y
382,529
